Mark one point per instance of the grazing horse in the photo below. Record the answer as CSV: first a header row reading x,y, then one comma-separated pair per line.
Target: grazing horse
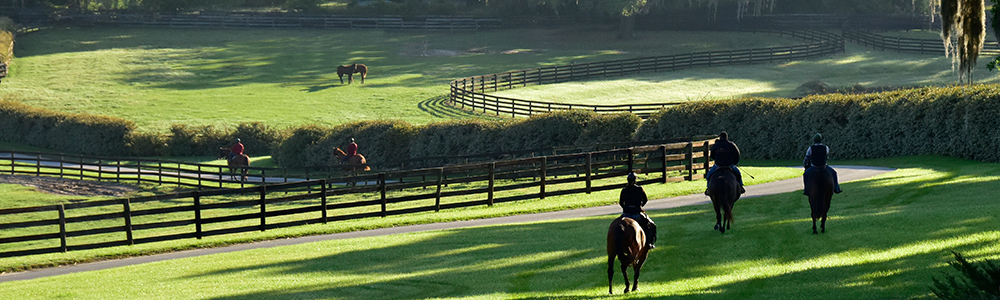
x,y
350,70
820,191
724,190
627,242
241,162
354,163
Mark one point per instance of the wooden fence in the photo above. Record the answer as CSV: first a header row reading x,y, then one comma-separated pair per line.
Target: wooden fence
x,y
907,45
470,92
464,23
197,214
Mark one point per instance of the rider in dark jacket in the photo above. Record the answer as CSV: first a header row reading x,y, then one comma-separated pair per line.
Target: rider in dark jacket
x,y
816,158
632,199
726,154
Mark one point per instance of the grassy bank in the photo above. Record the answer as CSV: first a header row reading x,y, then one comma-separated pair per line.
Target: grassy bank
x,y
887,236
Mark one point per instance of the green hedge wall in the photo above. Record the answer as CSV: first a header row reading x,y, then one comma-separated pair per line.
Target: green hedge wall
x,y
954,121
69,133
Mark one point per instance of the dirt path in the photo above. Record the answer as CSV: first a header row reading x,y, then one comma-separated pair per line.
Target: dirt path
x,y
846,173
63,186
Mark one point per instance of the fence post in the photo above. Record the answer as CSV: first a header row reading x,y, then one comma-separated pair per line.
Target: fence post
x,y
138,172
197,215
12,164
220,177
62,226
128,221
489,197
61,158
707,163
81,168
541,191
437,195
589,166
631,159
38,165
118,171
159,172
263,210
663,150
322,199
381,189
199,176
689,158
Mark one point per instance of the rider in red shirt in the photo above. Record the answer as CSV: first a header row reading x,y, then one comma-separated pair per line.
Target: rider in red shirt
x,y
236,150
351,151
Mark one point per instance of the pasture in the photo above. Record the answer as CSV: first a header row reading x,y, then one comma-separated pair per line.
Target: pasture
x,y
857,66
888,236
286,78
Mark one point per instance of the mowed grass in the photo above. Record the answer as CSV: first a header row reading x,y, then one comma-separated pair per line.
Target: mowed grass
x,y
159,77
552,203
887,237
858,65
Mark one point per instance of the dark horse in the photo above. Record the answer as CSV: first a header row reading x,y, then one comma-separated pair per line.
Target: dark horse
x,y
819,187
724,190
350,70
241,162
627,242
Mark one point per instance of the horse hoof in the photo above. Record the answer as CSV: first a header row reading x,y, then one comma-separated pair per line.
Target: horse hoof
x,y
717,226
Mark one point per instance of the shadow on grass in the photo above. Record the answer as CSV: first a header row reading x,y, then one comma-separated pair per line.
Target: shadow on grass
x,y
873,249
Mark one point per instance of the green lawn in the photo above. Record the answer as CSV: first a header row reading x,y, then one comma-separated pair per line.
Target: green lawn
x,y
858,65
887,237
160,77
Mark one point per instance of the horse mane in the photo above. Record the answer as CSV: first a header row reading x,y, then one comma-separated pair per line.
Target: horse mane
x,y
338,151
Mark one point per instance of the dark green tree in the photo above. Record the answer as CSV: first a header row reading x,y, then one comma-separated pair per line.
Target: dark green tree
x,y
976,281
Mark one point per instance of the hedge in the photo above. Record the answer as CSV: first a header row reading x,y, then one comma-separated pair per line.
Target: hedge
x,y
954,121
68,133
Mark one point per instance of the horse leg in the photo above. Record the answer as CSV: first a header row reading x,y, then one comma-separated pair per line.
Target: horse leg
x,y
814,226
611,273
625,275
350,78
718,217
341,78
822,224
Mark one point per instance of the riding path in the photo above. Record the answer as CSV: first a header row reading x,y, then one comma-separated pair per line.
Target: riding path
x,y
846,173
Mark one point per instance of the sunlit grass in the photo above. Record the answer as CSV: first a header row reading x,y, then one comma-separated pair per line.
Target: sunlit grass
x,y
875,248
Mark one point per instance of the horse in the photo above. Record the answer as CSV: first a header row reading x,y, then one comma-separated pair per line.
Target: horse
x,y
242,162
350,70
724,189
627,242
819,187
354,162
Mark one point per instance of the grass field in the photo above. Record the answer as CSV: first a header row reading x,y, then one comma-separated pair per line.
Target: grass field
x,y
161,77
857,66
887,237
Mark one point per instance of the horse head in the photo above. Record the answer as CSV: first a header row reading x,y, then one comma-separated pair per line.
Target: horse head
x,y
224,152
338,152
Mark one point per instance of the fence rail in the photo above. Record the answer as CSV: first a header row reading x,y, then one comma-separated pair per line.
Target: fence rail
x,y
907,45
197,214
456,23
471,92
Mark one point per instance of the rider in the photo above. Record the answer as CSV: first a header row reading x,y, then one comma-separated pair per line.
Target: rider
x,y
816,157
726,154
632,199
236,150
351,151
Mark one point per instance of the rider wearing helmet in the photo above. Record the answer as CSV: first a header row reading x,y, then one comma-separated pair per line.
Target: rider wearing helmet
x,y
632,199
236,150
351,151
816,159
726,154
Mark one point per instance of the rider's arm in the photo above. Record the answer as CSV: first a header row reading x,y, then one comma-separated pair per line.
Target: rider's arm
x,y
807,162
736,160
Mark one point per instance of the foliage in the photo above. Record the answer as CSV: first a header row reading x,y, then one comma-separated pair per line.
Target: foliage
x,y
965,22
954,121
976,281
69,133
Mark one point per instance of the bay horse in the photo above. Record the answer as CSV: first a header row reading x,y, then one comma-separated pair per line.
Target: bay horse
x,y
627,242
241,162
819,188
724,189
350,70
354,163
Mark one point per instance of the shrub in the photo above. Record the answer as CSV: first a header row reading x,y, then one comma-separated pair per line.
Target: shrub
x,y
975,281
460,137
67,133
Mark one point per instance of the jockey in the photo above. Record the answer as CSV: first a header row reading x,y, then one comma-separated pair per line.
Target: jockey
x,y
236,150
632,199
726,154
351,151
816,157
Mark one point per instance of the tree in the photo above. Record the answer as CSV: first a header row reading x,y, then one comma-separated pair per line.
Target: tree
x,y
963,29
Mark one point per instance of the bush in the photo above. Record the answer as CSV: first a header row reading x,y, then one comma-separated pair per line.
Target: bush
x,y
67,133
452,138
976,281
953,121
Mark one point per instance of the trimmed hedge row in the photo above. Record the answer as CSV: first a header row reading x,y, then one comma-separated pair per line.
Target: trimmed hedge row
x,y
70,133
954,121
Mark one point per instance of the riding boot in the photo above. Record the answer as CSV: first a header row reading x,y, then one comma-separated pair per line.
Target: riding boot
x,y
739,178
651,236
836,181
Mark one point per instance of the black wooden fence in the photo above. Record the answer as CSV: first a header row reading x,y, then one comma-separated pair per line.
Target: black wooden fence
x,y
249,20
197,214
470,92
907,45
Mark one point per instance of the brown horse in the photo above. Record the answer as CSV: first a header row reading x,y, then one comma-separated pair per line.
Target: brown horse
x,y
724,189
627,242
354,163
820,191
350,70
241,162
